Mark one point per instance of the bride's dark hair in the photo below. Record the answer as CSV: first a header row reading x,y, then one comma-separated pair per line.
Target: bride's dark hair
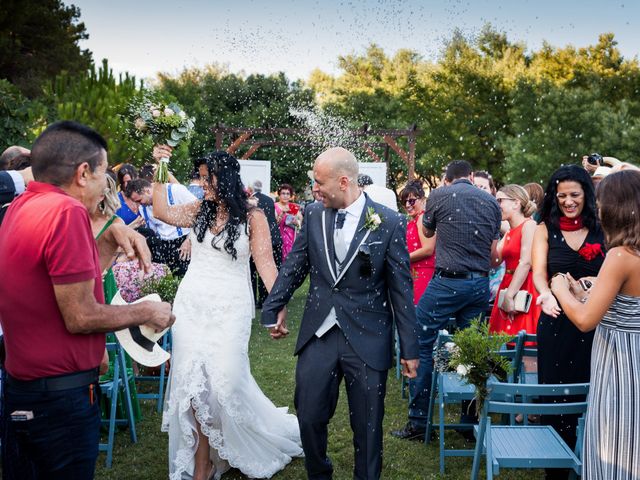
x,y
230,193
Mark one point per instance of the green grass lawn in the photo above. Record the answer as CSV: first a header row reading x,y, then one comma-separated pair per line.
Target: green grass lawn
x,y
273,367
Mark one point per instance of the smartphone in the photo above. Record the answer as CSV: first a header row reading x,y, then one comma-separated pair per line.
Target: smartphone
x,y
585,284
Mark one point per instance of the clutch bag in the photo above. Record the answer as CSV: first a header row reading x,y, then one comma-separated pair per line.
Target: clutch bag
x,y
522,300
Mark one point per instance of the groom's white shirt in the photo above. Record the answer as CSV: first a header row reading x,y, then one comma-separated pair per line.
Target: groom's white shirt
x,y
354,212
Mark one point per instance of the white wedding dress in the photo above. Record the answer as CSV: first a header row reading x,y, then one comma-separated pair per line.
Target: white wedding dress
x,y
210,372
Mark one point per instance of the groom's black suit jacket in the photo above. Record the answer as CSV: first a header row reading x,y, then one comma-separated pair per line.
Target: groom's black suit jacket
x,y
363,302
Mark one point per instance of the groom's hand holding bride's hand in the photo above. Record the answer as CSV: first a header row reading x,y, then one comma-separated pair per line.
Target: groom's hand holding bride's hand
x,y
410,367
280,330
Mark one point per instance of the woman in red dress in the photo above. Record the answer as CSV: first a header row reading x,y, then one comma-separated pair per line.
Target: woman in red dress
x,y
421,249
515,250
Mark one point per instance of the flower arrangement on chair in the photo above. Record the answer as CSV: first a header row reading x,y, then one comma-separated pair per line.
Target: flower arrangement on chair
x,y
475,357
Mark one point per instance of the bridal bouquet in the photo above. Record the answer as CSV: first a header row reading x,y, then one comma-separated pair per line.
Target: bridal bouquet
x,y
165,123
475,357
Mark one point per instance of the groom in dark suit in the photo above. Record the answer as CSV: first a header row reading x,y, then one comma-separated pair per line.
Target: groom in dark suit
x,y
356,255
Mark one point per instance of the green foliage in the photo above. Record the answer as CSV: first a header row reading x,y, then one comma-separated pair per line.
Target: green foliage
x,y
100,101
476,357
20,117
38,40
485,100
166,287
214,96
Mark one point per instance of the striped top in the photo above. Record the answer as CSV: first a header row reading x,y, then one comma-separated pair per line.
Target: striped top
x,y
611,445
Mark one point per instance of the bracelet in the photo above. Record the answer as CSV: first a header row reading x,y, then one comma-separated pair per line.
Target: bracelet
x,y
559,274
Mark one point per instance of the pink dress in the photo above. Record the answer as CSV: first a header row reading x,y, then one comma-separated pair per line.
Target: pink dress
x,y
287,232
422,270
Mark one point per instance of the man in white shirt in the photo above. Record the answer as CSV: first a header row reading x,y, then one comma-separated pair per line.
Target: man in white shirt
x,y
171,245
382,195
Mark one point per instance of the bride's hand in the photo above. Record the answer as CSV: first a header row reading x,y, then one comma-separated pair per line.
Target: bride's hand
x,y
280,330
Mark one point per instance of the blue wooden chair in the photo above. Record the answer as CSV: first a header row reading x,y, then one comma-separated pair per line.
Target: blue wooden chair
x,y
449,388
161,379
529,351
527,446
111,390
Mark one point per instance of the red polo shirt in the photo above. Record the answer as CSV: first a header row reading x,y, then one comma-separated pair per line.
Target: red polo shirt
x,y
45,240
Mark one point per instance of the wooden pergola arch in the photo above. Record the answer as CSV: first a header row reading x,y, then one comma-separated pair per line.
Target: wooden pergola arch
x,y
365,138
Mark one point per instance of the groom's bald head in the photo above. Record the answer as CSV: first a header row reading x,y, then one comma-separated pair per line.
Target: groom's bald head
x,y
335,172
341,161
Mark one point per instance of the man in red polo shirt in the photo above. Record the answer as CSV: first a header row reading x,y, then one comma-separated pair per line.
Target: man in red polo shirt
x,y
52,308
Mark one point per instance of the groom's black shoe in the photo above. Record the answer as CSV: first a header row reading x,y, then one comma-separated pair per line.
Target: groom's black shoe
x,y
409,432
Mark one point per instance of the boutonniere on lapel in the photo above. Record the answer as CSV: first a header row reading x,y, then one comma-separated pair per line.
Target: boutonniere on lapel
x,y
372,220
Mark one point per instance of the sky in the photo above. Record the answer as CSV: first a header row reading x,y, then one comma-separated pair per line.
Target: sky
x,y
144,36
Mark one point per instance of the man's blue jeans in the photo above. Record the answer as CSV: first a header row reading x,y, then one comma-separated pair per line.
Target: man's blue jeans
x,y
60,442
444,299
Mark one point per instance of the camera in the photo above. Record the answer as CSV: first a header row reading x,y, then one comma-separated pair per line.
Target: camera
x,y
595,159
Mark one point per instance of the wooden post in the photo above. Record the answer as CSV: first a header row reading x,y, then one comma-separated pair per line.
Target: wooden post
x,y
412,154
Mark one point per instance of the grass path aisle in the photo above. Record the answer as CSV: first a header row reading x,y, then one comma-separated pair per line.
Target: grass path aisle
x,y
273,367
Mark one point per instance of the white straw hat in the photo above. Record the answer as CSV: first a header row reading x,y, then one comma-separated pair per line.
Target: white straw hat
x,y
141,342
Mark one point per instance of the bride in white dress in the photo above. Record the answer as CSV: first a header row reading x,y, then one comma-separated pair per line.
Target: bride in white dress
x,y
215,412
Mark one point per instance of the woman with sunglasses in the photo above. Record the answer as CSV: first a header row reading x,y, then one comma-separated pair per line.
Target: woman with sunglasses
x,y
515,250
421,249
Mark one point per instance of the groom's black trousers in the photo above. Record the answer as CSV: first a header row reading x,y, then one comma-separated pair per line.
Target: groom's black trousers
x,y
322,364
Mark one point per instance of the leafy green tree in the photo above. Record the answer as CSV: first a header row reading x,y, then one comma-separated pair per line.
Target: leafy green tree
x,y
554,125
39,39
100,101
214,96
20,118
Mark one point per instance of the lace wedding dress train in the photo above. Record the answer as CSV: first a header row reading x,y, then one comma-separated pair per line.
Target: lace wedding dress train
x,y
210,379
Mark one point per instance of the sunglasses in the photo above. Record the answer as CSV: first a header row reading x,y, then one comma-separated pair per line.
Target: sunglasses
x,y
410,201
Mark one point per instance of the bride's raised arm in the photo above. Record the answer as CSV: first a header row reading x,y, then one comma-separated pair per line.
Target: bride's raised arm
x,y
261,251
178,215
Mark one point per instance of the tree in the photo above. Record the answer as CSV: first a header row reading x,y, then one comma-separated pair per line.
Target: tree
x,y
20,117
101,101
215,96
38,40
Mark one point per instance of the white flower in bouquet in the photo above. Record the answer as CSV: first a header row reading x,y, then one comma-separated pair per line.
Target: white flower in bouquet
x,y
168,112
450,347
140,124
463,370
156,113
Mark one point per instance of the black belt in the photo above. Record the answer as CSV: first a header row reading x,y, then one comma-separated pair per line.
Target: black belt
x,y
460,275
54,384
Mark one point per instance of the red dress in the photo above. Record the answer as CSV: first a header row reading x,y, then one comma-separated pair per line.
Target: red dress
x,y
422,270
500,321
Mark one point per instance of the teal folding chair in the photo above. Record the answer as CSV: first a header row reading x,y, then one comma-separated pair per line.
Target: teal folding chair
x,y
117,386
449,388
529,351
158,395
527,446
